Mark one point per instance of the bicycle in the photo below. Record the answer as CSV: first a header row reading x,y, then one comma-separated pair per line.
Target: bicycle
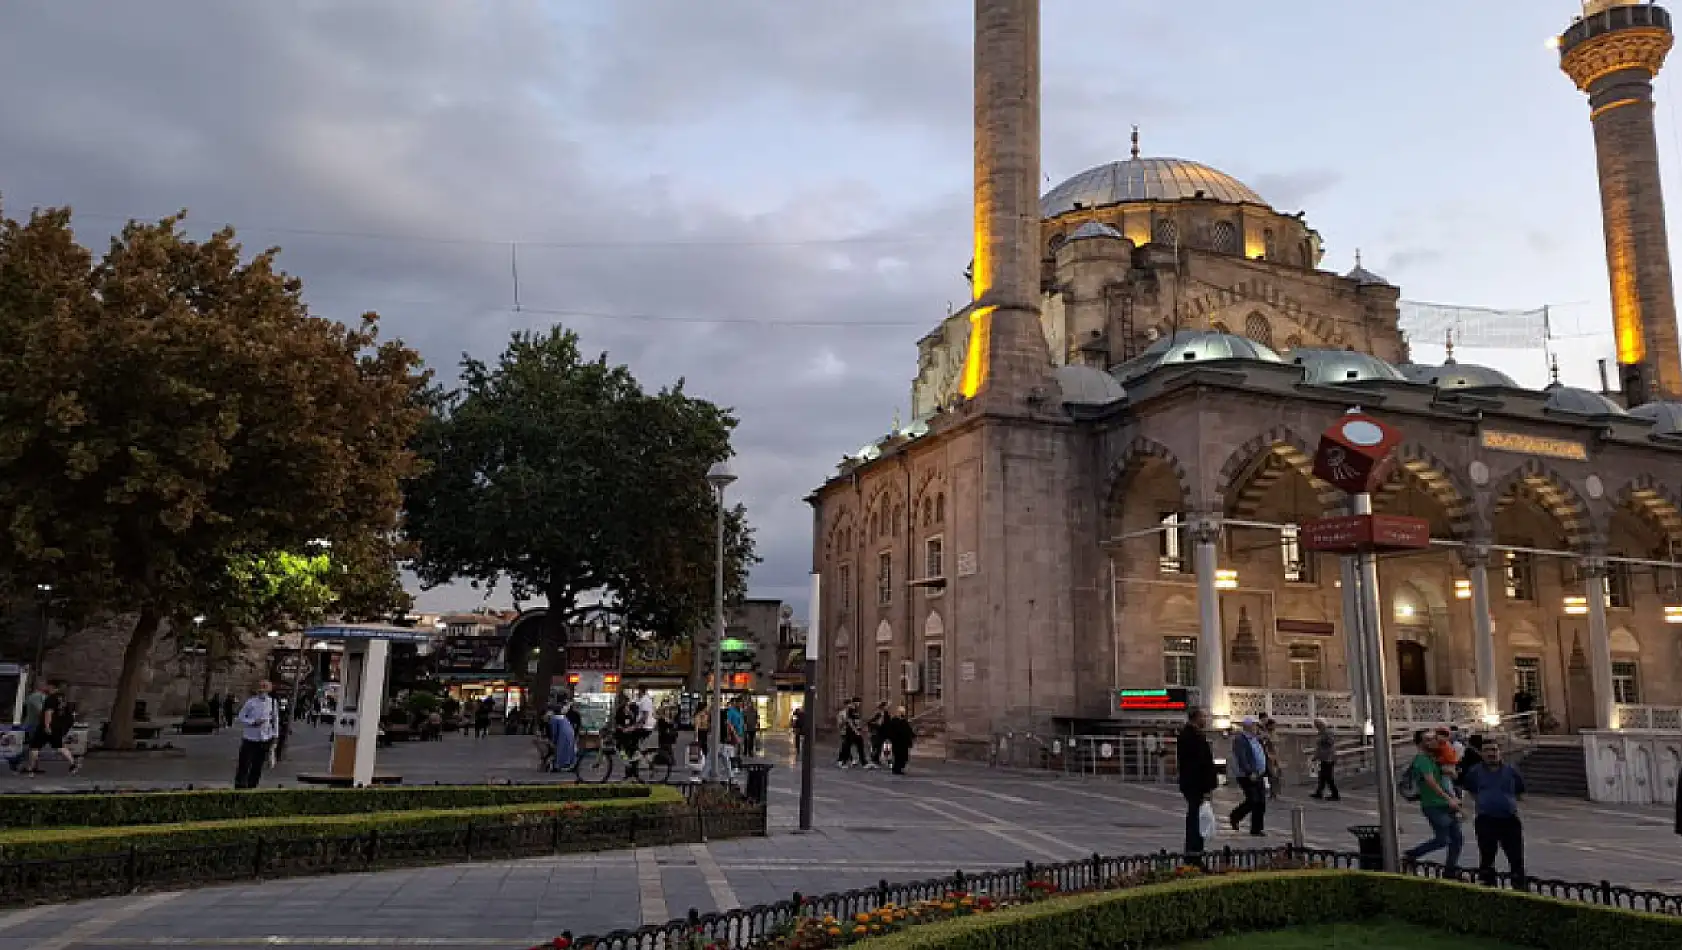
x,y
650,767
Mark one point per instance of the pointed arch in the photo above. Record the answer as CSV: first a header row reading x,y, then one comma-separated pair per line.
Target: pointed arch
x,y
1416,463
934,628
1539,484
1140,454
1654,502
1257,464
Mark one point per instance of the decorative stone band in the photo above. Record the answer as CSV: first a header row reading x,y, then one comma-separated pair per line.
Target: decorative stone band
x,y
1641,49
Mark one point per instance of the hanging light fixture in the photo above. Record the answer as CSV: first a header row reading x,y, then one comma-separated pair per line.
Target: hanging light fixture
x,y
1463,588
1226,579
1576,606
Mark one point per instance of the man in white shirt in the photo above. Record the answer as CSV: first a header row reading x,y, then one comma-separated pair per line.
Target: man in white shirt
x,y
259,720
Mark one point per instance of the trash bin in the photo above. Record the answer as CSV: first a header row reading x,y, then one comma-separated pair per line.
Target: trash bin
x,y
759,782
1369,848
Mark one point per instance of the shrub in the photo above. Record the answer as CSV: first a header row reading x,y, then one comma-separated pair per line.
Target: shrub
x,y
1202,907
198,711
72,842
98,810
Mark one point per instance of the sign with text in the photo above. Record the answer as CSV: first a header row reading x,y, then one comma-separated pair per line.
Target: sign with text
x,y
1347,534
654,658
474,655
1355,453
1306,628
603,659
1522,444
1171,699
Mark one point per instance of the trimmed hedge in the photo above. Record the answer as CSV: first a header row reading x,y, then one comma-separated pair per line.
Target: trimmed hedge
x,y
50,843
105,810
1196,909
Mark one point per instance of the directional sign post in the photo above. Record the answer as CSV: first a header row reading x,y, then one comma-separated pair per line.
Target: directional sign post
x,y
1356,454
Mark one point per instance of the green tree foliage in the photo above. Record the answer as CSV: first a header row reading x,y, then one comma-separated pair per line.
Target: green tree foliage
x,y
170,409
560,475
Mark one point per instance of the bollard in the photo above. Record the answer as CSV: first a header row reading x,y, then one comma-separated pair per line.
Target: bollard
x,y
1298,827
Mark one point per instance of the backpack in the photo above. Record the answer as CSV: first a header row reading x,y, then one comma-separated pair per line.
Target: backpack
x,y
1408,785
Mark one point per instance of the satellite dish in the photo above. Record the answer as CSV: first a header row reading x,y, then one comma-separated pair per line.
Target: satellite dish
x,y
787,612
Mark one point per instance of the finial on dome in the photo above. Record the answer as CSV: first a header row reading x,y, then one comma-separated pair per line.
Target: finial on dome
x,y
1448,346
1553,369
896,419
1357,257
1135,141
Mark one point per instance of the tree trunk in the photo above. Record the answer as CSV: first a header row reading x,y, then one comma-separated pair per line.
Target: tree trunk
x,y
120,733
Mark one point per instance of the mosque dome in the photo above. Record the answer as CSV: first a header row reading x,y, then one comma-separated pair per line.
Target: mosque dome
x,y
1665,416
1340,366
1088,386
1453,375
1145,179
1364,277
1195,346
1094,229
1581,402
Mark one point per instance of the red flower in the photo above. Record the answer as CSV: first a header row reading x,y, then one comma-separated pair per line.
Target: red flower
x,y
561,943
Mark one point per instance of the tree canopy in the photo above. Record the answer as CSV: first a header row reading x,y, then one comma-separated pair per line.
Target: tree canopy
x,y
172,408
560,475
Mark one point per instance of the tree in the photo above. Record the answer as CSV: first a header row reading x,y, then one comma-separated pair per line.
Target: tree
x,y
561,476
172,408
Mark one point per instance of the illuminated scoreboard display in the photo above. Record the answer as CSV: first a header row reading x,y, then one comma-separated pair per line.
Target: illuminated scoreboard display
x,y
1172,699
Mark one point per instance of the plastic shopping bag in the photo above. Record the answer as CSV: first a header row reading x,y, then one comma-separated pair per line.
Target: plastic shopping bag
x,y
1206,820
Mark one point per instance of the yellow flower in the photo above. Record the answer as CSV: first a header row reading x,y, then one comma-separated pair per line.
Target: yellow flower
x,y
859,929
949,906
861,918
835,931
968,902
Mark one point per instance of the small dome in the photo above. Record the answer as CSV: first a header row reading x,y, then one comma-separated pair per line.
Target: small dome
x,y
1195,346
1094,229
1458,376
1087,386
1340,366
1665,416
1145,179
1364,277
1581,402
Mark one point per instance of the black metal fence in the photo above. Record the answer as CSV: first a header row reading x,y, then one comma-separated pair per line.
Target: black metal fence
x,y
104,875
751,926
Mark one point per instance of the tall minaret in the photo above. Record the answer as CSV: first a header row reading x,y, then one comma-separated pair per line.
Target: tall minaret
x,y
1612,54
1008,357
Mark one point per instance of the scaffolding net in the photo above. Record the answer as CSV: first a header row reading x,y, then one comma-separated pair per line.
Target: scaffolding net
x,y
1434,323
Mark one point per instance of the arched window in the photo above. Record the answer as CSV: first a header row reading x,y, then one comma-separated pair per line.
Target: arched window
x,y
1225,237
1057,241
928,511
1257,328
1166,232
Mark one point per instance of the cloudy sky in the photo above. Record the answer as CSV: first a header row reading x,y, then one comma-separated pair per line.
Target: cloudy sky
x,y
769,198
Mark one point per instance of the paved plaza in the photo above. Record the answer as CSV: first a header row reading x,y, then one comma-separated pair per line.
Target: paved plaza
x,y
871,826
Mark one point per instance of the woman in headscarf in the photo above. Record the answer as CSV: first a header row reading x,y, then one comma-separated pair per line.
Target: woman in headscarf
x,y
899,734
564,737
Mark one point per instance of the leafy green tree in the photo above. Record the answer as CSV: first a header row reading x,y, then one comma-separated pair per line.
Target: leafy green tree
x,y
173,407
558,474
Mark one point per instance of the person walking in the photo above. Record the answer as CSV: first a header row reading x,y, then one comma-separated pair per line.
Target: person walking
x,y
259,720
228,709
1496,787
1249,767
899,734
1325,758
1275,762
852,733
878,720
482,718
797,725
1439,805
214,703
750,728
52,724
1198,778
32,707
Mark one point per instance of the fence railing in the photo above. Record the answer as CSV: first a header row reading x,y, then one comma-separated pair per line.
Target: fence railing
x,y
33,881
750,927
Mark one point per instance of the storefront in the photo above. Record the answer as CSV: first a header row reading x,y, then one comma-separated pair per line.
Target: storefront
x,y
789,681
475,667
593,681
662,669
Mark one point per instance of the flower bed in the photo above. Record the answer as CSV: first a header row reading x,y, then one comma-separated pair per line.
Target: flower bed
x,y
110,809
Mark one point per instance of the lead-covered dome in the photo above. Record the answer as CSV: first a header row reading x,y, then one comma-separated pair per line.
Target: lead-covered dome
x,y
1580,402
1194,346
1145,179
1087,386
1327,366
1665,416
1459,376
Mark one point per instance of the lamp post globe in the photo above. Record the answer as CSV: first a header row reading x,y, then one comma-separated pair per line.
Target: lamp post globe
x,y
720,475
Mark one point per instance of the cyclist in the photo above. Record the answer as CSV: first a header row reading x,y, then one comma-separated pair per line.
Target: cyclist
x,y
636,725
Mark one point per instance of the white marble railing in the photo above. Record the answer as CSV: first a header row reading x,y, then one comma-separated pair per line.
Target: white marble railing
x,y
1656,718
1300,707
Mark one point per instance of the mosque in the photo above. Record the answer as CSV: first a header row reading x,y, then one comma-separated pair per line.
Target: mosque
x,y
1110,458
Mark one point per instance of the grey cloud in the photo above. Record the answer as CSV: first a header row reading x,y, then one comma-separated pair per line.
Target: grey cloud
x,y
1289,191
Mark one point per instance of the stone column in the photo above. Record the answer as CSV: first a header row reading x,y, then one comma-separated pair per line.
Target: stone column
x,y
1476,558
1352,642
1600,642
1205,531
1613,54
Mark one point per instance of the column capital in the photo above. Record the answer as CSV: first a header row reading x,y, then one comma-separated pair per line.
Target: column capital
x,y
1592,565
1475,553
1203,527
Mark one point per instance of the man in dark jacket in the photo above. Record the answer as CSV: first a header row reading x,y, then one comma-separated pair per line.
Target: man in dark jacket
x,y
1198,779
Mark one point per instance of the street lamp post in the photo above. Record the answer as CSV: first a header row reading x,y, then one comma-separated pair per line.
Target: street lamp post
x,y
719,477
44,593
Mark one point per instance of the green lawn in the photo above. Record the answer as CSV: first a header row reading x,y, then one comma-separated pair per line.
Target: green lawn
x,y
1381,935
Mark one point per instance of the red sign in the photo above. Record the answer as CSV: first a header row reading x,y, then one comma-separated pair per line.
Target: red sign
x,y
1173,699
1354,454
1346,534
595,659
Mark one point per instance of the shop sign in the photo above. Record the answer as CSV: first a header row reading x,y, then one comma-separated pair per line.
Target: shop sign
x,y
1346,534
1568,449
656,658
474,655
1172,699
593,658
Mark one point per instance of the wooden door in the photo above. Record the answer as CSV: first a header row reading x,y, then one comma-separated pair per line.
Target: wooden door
x,y
1410,669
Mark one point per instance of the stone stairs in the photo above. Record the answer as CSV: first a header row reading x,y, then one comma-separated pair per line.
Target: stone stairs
x,y
1554,769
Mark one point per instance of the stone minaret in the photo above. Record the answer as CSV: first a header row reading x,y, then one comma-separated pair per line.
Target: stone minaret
x,y
1612,54
1007,358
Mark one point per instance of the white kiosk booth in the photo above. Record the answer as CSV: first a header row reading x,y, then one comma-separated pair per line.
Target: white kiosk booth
x,y
362,699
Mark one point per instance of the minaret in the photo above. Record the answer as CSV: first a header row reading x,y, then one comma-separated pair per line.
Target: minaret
x,y
1612,54
1008,357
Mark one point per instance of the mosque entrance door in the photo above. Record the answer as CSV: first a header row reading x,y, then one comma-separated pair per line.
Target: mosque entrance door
x,y
1410,668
